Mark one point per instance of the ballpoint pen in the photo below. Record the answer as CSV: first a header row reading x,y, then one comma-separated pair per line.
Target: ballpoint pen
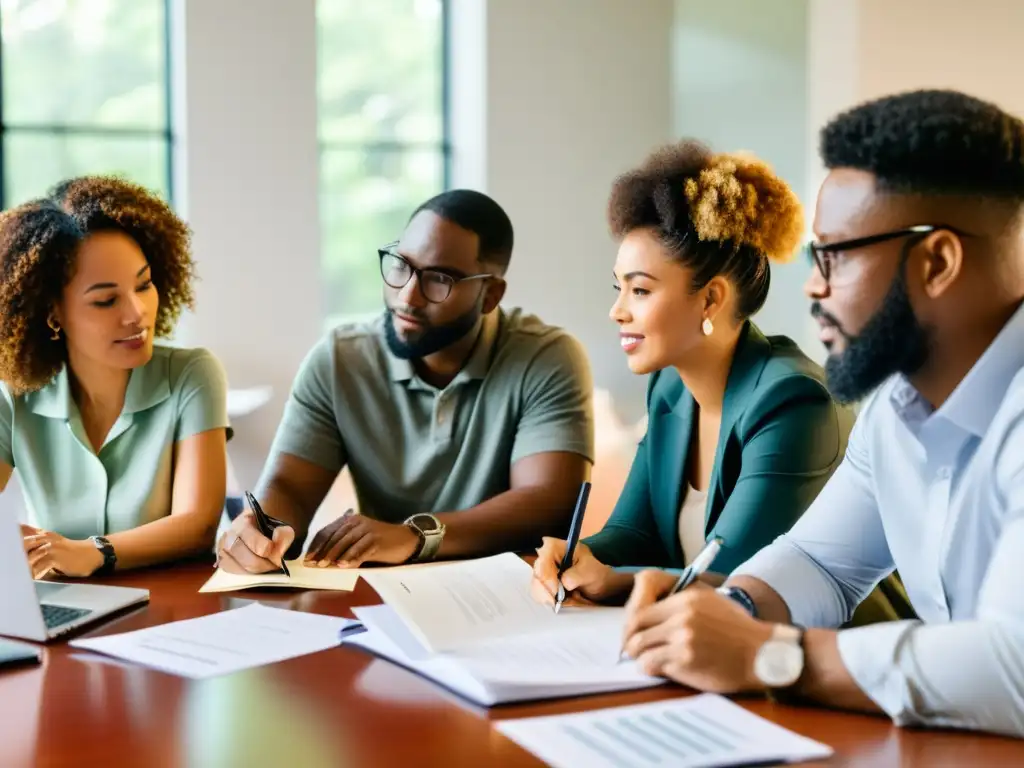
x,y
700,564
570,543
266,527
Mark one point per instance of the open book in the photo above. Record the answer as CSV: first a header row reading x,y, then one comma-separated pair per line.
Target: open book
x,y
473,627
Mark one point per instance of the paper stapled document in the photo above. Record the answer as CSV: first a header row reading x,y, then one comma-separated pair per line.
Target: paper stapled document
x,y
223,642
473,628
703,731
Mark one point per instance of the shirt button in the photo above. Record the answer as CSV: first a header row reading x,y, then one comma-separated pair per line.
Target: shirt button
x,y
943,473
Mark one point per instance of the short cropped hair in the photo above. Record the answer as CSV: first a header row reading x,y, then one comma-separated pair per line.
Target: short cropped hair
x,y
717,214
931,142
479,214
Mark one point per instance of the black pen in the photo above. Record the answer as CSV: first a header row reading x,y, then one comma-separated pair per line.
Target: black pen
x,y
266,527
570,542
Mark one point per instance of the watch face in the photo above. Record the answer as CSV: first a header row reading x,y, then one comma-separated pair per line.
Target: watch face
x,y
426,523
778,663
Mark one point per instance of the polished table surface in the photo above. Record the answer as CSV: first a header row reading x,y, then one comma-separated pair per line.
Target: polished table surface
x,y
339,707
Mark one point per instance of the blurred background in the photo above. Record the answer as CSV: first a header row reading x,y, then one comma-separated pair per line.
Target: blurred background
x,y
296,136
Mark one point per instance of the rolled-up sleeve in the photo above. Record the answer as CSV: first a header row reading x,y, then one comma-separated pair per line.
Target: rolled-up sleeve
x,y
835,554
966,674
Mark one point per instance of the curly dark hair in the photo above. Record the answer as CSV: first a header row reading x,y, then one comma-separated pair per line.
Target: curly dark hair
x,y
718,214
939,142
39,241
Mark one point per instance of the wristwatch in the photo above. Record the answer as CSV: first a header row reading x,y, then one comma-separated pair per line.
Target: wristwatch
x,y
741,597
109,556
780,661
431,533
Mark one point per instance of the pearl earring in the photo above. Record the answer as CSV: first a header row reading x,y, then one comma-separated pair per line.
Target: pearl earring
x,y
707,326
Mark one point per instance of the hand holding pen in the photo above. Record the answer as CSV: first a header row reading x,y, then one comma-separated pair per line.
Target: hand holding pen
x,y
566,567
650,586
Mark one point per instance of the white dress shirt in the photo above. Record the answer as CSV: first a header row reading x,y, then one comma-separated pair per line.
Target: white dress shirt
x,y
939,496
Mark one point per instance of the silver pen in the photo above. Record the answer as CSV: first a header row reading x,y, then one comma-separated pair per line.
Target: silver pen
x,y
700,565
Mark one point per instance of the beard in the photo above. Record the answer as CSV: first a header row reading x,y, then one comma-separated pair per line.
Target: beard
x,y
893,341
432,338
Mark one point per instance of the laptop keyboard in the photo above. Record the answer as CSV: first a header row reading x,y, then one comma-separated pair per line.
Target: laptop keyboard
x,y
59,615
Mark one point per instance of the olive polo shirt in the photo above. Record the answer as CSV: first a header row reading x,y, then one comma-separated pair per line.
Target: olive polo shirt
x,y
525,389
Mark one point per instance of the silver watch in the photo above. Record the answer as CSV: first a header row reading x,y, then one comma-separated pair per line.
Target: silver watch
x,y
431,533
780,661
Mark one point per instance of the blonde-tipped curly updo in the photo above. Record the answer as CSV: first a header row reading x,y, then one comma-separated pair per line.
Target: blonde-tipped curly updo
x,y
719,214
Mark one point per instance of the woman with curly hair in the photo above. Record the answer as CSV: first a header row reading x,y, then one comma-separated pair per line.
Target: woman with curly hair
x,y
119,443
742,432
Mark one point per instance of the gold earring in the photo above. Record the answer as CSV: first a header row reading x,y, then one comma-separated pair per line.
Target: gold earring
x,y
707,326
55,327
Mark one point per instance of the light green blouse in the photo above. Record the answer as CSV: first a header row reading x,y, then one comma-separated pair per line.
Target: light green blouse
x,y
78,493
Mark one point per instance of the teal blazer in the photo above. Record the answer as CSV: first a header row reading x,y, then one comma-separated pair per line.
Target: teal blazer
x,y
782,436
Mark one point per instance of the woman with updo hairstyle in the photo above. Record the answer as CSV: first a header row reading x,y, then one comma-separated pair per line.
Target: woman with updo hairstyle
x,y
118,442
742,432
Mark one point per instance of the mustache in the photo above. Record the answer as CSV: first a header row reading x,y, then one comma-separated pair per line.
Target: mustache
x,y
819,313
415,314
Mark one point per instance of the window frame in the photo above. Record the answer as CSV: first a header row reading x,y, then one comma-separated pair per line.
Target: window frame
x,y
57,130
443,150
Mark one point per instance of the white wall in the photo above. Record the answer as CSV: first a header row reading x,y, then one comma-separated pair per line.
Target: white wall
x,y
862,49
569,93
740,82
247,183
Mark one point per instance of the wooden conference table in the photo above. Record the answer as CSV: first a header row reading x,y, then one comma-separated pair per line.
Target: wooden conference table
x,y
339,707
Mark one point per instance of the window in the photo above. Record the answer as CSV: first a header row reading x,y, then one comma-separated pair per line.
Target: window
x,y
84,89
382,132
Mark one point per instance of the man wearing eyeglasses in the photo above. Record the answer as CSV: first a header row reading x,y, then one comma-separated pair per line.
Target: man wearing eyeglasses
x,y
917,284
468,429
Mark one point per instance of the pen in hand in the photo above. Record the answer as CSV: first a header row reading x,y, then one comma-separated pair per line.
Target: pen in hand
x,y
571,541
690,574
266,527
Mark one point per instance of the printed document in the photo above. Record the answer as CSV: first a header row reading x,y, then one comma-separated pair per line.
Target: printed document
x,y
223,642
463,603
696,732
578,657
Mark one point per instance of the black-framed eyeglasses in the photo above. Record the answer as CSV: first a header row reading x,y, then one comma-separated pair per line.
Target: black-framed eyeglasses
x,y
435,284
824,254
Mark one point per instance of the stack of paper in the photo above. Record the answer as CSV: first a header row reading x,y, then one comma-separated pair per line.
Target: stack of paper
x,y
696,732
223,642
473,627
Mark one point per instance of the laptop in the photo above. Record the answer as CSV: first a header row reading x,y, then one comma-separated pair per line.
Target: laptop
x,y
45,610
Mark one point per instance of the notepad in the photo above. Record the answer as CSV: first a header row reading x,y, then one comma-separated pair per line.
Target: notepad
x,y
223,642
473,628
702,731
302,577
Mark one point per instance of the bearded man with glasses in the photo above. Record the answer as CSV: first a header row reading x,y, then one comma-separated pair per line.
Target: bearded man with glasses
x,y
917,283
467,428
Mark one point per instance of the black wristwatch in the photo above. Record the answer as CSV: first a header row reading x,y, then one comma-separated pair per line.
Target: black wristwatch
x,y
741,597
109,556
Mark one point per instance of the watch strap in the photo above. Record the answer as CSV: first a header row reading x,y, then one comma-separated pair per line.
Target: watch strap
x,y
109,555
741,598
430,541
